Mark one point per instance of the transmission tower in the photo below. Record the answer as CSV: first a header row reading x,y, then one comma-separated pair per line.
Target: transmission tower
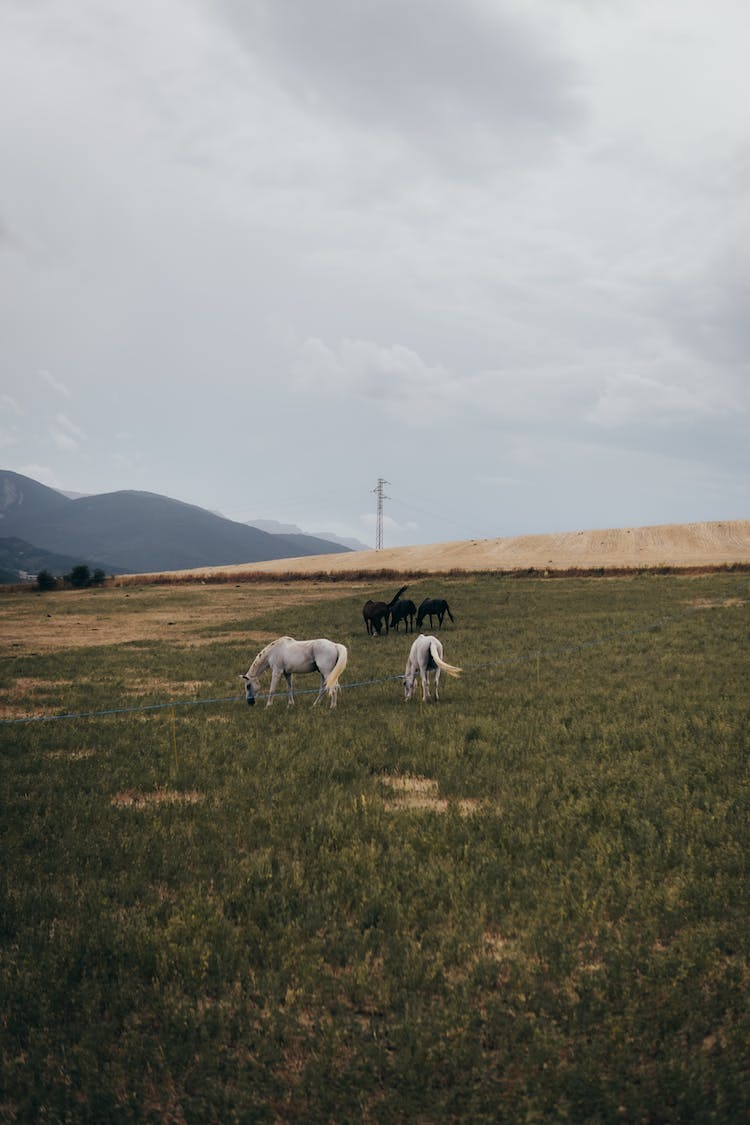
x,y
378,490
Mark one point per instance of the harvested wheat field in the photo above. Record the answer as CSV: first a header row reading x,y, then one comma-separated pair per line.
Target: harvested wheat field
x,y
689,545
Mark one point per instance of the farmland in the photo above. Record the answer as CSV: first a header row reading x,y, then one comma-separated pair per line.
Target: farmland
x,y
526,902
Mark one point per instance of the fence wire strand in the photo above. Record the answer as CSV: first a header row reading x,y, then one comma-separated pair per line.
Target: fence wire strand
x,y
523,658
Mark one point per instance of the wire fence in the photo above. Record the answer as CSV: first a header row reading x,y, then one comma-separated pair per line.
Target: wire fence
x,y
522,658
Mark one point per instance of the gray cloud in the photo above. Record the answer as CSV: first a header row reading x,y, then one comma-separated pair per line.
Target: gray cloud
x,y
462,83
506,236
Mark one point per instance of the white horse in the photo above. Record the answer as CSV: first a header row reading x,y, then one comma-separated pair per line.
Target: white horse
x,y
285,656
425,656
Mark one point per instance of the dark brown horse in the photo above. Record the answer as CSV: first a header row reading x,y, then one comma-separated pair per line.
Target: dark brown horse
x,y
375,613
403,610
437,606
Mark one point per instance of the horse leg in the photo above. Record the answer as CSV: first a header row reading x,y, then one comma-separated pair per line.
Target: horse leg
x,y
322,691
289,692
275,676
437,681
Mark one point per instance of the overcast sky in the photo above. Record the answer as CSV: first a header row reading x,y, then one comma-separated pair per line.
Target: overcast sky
x,y
256,254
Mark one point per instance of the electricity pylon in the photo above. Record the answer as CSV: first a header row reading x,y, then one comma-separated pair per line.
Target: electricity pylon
x,y
378,490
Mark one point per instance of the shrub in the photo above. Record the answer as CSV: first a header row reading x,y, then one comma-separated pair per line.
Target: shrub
x,y
46,581
79,577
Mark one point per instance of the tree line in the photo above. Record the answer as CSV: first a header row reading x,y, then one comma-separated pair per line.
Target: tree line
x,y
80,577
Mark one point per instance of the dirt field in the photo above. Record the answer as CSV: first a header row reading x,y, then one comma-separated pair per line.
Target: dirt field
x,y
141,611
677,545
43,623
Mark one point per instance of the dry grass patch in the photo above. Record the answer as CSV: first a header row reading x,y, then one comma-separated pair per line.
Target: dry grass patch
x,y
716,603
71,755
72,619
28,685
414,792
133,799
9,711
145,686
18,700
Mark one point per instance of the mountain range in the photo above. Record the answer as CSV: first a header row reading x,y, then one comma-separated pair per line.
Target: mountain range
x,y
128,532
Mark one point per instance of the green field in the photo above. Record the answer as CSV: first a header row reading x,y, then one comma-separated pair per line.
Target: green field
x,y
527,902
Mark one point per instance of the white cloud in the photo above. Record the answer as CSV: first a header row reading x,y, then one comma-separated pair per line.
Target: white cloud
x,y
396,533
394,376
9,406
58,387
43,473
8,438
629,399
66,435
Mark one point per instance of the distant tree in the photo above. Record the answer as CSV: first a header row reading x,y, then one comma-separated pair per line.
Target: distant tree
x,y
98,578
79,577
46,581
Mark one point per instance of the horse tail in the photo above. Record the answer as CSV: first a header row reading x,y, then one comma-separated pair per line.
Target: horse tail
x,y
397,596
448,611
335,674
449,668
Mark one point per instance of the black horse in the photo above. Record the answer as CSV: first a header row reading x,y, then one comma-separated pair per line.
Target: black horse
x,y
437,606
375,613
403,610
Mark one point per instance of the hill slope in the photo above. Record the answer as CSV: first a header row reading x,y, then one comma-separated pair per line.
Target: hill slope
x,y
20,561
722,543
137,531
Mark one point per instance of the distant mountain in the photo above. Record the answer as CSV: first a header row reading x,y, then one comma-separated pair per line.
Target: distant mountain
x,y
276,528
21,562
138,532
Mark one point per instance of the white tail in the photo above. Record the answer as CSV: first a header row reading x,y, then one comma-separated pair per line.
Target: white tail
x,y
334,675
451,669
426,654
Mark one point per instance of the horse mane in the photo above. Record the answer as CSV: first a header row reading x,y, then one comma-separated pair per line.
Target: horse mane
x,y
263,654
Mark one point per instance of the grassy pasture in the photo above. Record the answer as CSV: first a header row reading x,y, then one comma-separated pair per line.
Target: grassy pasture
x,y
527,902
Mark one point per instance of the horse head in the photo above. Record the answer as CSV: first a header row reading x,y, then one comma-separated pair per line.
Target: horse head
x,y
251,687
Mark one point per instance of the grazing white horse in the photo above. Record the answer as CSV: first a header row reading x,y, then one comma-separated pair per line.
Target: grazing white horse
x,y
425,656
285,656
